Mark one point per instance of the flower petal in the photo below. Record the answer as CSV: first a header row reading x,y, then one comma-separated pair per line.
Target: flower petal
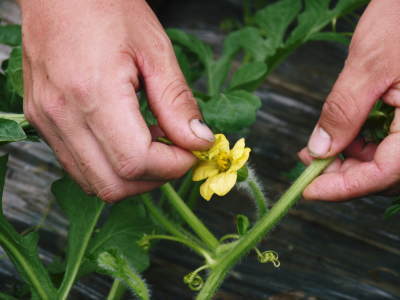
x,y
238,163
221,144
204,169
237,150
205,190
222,183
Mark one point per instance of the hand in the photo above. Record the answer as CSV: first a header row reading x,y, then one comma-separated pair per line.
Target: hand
x,y
371,71
83,63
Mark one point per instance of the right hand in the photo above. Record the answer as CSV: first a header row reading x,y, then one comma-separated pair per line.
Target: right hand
x,y
83,63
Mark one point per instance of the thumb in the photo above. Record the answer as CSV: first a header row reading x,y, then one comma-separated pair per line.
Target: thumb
x,y
345,111
173,104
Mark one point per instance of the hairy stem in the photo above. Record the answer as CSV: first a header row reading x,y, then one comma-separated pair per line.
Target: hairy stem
x,y
191,219
264,225
259,197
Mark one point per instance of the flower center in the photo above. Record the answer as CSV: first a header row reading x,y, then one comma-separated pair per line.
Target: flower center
x,y
223,161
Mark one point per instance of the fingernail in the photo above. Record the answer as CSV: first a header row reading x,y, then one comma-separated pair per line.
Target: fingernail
x,y
319,143
201,130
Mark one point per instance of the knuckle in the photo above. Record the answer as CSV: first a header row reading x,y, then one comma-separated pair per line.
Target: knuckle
x,y
178,94
339,110
111,193
130,167
53,107
352,186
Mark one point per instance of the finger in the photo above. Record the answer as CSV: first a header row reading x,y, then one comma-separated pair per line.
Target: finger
x,y
395,126
172,101
358,178
361,150
305,156
345,110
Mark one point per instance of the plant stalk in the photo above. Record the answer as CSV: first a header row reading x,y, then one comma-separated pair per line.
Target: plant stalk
x,y
261,201
118,289
191,219
264,225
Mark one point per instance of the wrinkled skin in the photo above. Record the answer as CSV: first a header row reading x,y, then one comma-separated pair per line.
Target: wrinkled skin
x,y
84,61
371,71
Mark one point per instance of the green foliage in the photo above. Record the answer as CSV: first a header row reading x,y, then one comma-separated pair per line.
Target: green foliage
x,y
14,74
83,212
10,35
242,224
249,76
394,209
377,126
125,225
22,250
117,266
231,111
11,131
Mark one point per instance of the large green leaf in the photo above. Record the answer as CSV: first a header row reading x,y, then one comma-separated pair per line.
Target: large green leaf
x,y
249,76
10,35
14,74
11,131
275,19
23,252
202,50
126,224
83,212
330,37
231,111
249,39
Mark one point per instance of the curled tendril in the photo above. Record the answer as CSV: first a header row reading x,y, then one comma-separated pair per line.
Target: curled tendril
x,y
144,243
194,281
269,256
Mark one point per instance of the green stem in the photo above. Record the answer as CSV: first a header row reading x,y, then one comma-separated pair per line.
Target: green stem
x,y
259,197
264,225
194,195
29,270
194,246
191,219
72,271
118,289
165,223
185,185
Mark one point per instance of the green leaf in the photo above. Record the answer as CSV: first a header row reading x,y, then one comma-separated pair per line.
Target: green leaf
x,y
23,252
216,74
126,224
11,131
231,111
117,266
330,37
83,212
249,39
249,76
10,35
147,114
190,42
6,297
275,19
191,67
242,224
13,72
9,100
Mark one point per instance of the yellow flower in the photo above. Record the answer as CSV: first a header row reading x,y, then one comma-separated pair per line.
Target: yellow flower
x,y
219,165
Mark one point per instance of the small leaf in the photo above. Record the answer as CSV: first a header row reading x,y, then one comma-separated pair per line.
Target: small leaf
x,y
10,35
14,72
9,101
230,112
393,209
117,266
248,76
242,224
11,131
147,114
